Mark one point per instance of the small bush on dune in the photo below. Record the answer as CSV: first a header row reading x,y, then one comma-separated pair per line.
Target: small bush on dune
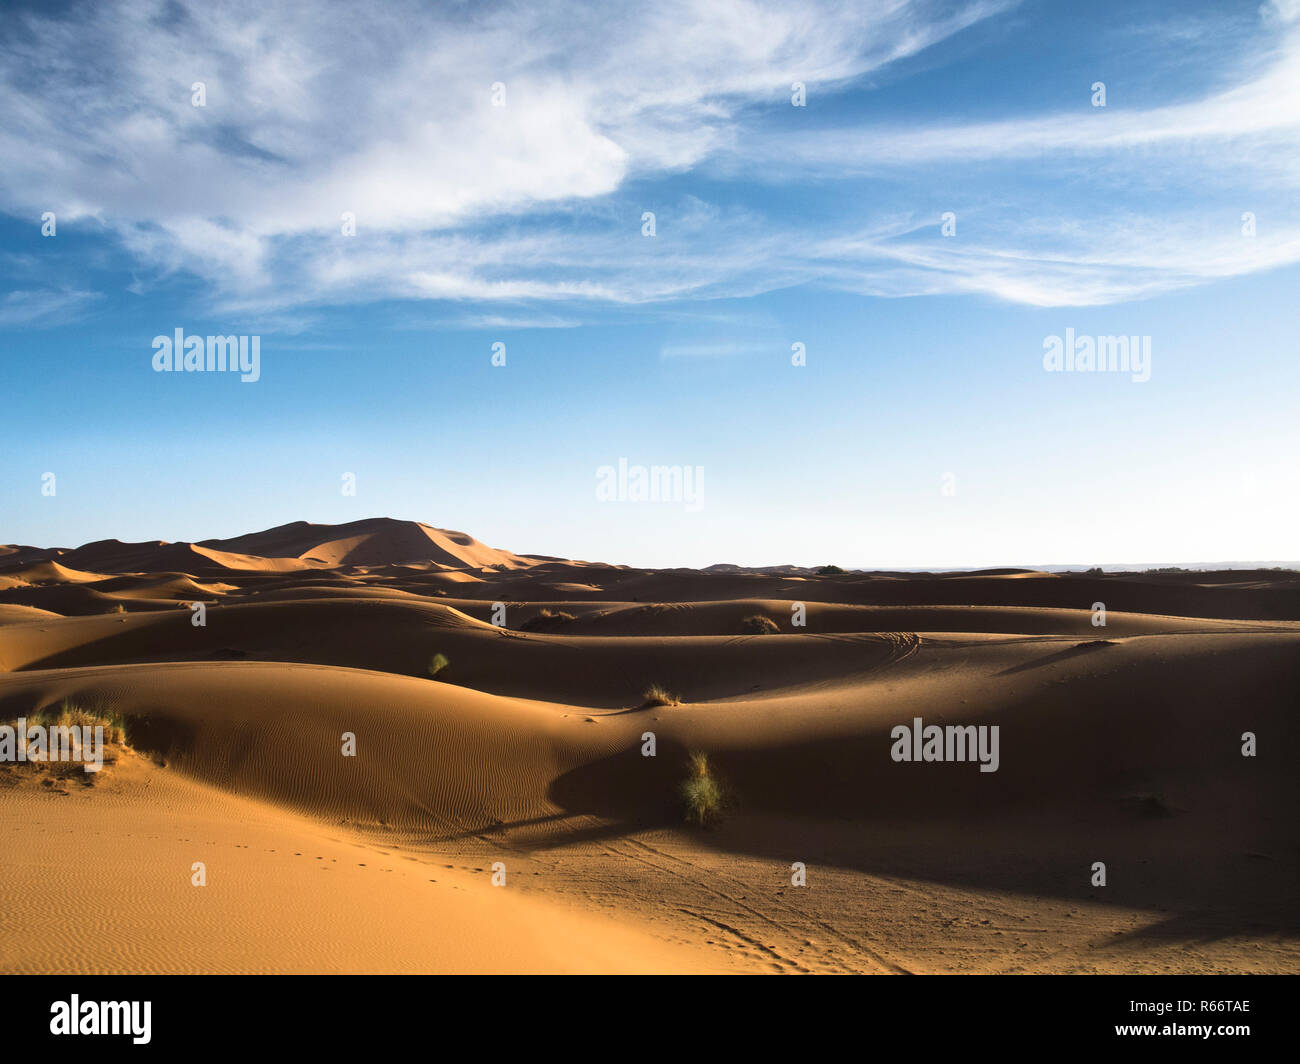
x,y
546,620
437,663
702,792
69,715
829,570
654,695
759,625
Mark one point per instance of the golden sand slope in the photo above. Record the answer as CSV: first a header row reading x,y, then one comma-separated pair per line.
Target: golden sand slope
x,y
282,894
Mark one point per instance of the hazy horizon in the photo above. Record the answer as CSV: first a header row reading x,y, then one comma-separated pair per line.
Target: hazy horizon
x,y
848,566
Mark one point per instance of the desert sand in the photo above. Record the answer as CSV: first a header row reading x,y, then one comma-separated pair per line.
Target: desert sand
x,y
523,756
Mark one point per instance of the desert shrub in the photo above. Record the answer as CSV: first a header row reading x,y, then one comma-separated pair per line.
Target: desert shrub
x,y
701,791
757,624
546,620
69,715
655,695
829,570
437,663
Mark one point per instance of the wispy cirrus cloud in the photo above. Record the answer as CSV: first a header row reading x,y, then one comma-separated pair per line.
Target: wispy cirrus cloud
x,y
1254,124
38,308
386,114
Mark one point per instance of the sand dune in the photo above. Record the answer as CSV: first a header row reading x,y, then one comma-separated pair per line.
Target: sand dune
x,y
288,548
1120,744
375,541
11,613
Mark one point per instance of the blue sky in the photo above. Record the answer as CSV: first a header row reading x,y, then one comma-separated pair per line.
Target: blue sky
x,y
923,429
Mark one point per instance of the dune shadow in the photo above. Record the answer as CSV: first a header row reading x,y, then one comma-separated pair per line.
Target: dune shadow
x,y
1206,926
1015,839
1078,650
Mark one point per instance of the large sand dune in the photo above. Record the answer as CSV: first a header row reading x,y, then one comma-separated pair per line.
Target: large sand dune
x,y
1120,744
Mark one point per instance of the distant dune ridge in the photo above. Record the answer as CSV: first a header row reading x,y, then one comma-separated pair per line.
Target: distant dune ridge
x,y
300,545
525,761
387,541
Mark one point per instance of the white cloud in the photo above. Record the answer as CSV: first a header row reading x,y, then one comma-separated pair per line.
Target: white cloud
x,y
37,308
385,111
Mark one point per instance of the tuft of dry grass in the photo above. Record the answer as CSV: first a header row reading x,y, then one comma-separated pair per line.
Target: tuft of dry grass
x,y
546,620
71,715
655,695
67,715
701,791
757,624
